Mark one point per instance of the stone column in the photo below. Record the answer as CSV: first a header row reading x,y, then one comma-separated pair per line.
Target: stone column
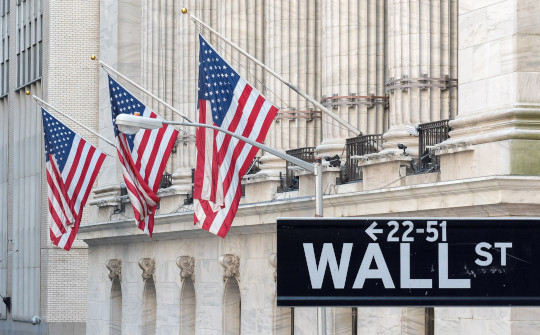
x,y
353,68
185,60
422,58
293,38
120,47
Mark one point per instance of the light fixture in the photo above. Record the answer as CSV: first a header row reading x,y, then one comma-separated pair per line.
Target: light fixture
x,y
403,147
36,320
334,161
131,124
412,130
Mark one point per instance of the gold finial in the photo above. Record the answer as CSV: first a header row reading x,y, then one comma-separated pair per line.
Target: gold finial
x,y
93,57
27,92
184,10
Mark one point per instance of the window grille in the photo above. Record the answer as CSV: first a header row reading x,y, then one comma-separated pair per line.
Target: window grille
x,y
291,181
4,47
431,133
359,146
166,180
29,41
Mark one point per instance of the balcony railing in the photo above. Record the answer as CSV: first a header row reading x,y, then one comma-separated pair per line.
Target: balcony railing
x,y
431,133
359,146
166,180
291,181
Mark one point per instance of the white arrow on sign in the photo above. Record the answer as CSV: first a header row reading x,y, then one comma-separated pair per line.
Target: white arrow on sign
x,y
371,231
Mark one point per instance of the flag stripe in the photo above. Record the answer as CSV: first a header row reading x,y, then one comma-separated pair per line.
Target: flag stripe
x,y
72,165
239,108
143,157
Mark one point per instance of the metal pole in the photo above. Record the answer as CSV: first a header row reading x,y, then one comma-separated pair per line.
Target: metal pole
x,y
317,166
280,154
72,119
145,91
291,86
321,311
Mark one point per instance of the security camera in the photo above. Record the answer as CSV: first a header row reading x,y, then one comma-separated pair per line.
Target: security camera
x,y
36,320
403,147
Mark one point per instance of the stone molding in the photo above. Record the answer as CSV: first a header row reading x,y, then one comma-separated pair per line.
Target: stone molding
x,y
187,267
272,259
148,265
231,266
115,269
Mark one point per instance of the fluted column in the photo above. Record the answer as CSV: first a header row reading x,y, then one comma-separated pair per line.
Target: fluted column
x,y
422,58
353,67
185,69
293,39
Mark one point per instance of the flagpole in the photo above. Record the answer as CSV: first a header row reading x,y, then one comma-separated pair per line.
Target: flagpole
x,y
275,74
72,119
107,67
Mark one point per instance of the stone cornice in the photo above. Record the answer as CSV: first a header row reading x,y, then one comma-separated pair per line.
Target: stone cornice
x,y
483,196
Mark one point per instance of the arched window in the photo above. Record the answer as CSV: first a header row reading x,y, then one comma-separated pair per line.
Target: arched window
x,y
231,308
116,308
187,308
149,308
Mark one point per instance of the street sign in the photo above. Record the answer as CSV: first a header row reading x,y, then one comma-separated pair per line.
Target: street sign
x,y
408,262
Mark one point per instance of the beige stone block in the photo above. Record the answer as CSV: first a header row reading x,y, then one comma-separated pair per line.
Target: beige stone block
x,y
471,326
499,23
493,58
472,97
528,12
527,87
525,327
499,313
465,6
525,313
528,49
465,67
384,174
447,326
472,28
480,64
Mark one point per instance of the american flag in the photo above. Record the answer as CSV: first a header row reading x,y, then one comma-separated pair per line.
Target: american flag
x,y
72,166
227,101
143,156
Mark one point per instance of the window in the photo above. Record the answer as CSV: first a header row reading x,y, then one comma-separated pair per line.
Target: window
x,y
4,47
29,45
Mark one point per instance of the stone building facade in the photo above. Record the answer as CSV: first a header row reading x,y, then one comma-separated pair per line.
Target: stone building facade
x,y
469,67
45,49
381,65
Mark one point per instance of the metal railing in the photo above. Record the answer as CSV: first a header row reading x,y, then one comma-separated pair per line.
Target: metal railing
x,y
166,180
429,134
291,181
358,146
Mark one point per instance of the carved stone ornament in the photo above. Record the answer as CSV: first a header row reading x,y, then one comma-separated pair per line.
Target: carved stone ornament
x,y
115,269
272,259
187,266
231,266
148,265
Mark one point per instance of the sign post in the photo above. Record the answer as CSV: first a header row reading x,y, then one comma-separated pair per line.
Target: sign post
x,y
408,262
